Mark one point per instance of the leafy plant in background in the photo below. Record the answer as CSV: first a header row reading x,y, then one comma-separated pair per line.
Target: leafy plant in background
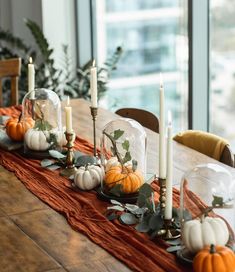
x,y
61,80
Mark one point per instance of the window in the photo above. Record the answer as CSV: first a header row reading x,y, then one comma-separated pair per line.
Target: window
x,y
222,65
153,34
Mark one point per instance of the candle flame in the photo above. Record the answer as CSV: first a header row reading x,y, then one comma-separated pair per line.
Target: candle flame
x,y
93,63
68,101
30,60
161,80
169,118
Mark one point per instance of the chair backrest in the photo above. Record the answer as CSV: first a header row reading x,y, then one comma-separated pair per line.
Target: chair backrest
x,y
145,118
208,144
10,68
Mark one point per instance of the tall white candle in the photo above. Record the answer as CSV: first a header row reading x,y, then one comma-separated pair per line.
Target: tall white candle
x,y
162,139
68,116
31,78
169,175
93,86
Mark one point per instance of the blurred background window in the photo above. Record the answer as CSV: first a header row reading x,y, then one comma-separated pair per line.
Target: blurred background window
x,y
222,67
153,34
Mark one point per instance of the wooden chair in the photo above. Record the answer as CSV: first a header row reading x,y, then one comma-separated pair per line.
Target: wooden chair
x,y
10,68
208,144
145,118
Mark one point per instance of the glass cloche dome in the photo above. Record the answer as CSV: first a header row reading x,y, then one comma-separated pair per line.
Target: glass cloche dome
x,y
44,107
207,209
123,155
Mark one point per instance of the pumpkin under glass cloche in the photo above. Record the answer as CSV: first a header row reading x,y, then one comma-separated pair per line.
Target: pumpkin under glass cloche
x,y
44,107
123,156
207,208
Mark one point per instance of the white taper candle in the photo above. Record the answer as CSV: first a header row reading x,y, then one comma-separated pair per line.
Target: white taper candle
x,y
162,139
169,175
68,116
93,86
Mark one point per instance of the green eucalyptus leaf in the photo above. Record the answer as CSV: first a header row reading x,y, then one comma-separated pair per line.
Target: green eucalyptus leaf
x,y
141,200
218,201
146,190
112,216
175,242
46,162
156,222
127,157
117,134
139,211
126,145
56,154
128,219
134,165
142,227
116,207
77,154
116,190
173,248
115,202
131,207
84,160
53,167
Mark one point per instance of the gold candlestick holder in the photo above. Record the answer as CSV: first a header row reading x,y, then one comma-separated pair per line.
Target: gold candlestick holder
x,y
94,112
168,232
70,167
162,197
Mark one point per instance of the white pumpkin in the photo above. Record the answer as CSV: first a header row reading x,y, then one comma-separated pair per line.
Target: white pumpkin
x,y
37,139
196,234
61,139
88,177
113,161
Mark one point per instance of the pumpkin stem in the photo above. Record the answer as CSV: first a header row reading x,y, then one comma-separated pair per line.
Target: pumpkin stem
x,y
212,249
19,118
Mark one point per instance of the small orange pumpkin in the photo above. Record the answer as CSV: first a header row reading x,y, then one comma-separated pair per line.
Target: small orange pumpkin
x,y
16,127
129,179
214,259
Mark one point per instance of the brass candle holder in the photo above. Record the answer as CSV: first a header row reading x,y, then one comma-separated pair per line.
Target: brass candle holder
x,y
94,112
168,232
70,167
162,197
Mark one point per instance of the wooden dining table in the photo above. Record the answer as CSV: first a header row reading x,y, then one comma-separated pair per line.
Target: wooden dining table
x,y
34,237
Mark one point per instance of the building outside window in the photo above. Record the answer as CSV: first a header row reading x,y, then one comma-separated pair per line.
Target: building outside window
x,y
222,95
154,37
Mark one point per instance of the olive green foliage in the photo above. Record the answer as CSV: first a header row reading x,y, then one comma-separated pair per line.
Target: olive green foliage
x,y
63,80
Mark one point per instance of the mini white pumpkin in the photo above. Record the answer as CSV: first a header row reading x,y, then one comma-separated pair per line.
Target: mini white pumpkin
x,y
113,161
196,234
88,177
37,139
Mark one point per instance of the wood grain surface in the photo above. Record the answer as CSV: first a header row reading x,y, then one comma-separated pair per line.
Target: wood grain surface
x,y
33,237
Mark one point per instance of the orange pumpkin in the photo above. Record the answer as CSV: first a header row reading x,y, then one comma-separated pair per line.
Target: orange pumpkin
x,y
16,127
129,179
214,259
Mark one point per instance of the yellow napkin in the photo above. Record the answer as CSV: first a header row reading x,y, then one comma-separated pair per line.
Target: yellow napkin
x,y
204,142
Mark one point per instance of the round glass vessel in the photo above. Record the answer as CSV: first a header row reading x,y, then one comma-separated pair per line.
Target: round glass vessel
x,y
207,194
44,107
123,155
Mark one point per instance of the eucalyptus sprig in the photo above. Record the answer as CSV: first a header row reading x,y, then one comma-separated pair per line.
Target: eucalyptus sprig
x,y
145,215
59,160
113,137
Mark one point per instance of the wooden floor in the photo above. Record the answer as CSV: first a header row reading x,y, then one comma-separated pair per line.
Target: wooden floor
x,y
33,237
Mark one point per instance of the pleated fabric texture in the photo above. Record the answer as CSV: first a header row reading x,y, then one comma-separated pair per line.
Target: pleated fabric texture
x,y
86,213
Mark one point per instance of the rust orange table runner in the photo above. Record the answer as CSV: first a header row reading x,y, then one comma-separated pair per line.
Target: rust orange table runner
x,y
85,212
